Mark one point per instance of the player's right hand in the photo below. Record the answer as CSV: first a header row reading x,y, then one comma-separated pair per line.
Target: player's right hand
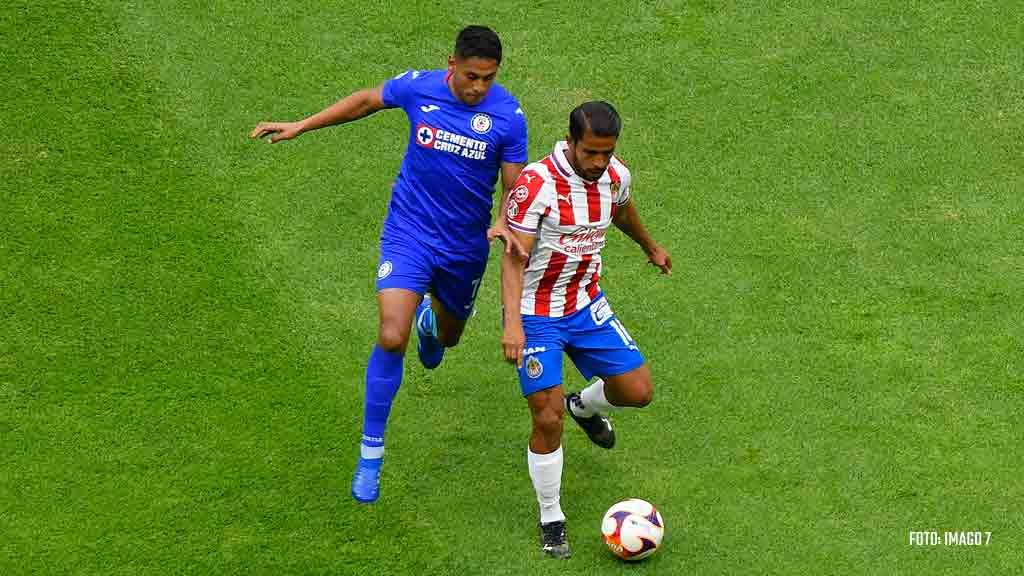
x,y
512,244
278,130
513,340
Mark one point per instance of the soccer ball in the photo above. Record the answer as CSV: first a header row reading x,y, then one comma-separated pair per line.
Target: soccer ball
x,y
632,529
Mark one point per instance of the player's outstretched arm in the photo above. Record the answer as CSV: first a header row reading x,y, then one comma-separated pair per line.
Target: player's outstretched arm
x,y
352,107
513,338
509,174
627,219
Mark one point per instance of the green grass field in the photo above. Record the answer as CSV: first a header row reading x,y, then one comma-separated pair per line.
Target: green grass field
x,y
185,314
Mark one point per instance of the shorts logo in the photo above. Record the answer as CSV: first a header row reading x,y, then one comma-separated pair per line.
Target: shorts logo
x,y
535,350
513,209
425,135
533,367
385,270
481,123
600,311
520,193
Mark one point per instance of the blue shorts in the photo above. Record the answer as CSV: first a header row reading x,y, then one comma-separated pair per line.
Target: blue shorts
x,y
453,278
595,340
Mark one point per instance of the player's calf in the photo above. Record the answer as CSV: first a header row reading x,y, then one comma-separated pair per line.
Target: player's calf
x,y
633,389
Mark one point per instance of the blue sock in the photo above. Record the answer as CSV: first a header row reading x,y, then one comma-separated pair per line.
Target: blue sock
x,y
383,377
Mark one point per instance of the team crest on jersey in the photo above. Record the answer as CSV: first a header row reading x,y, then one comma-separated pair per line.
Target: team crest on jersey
x,y
520,193
533,367
384,270
513,210
425,135
481,123
615,186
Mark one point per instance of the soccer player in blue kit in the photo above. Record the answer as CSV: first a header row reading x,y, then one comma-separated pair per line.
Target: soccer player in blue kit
x,y
463,130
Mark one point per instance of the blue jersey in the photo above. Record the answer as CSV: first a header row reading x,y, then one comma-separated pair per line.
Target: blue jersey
x,y
444,190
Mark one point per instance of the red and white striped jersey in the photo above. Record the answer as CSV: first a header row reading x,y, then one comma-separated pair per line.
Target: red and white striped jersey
x,y
570,217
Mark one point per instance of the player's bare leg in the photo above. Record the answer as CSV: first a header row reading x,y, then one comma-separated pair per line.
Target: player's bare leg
x,y
437,329
449,327
396,307
545,462
631,389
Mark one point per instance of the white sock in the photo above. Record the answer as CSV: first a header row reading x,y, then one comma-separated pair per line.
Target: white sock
x,y
546,473
591,400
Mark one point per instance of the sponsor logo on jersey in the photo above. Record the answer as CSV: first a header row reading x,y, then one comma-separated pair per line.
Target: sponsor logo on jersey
x,y
583,240
481,123
384,270
533,367
430,107
513,210
444,141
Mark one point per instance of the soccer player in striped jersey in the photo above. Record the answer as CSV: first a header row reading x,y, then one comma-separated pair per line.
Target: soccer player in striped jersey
x,y
560,209
464,130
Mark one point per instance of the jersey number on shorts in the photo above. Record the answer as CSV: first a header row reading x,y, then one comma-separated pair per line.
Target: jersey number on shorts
x,y
626,338
476,288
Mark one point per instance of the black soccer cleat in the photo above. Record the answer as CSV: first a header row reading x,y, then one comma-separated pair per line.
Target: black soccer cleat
x,y
597,427
553,540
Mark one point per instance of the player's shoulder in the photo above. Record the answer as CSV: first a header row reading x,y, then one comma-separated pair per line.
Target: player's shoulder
x,y
419,81
414,75
620,167
500,99
535,176
618,163
541,169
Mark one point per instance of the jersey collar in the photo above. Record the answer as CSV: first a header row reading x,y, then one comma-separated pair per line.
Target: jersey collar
x,y
561,161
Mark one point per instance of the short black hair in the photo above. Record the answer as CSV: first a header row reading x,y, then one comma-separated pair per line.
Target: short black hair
x,y
597,116
478,42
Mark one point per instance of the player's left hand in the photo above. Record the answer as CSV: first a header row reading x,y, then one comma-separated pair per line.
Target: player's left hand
x,y
513,341
660,258
512,244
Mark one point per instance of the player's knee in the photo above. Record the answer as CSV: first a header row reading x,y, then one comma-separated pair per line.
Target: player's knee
x,y
639,393
392,339
549,420
645,394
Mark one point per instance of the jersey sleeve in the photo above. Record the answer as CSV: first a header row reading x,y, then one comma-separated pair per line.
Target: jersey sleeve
x,y
625,185
513,149
398,91
529,201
